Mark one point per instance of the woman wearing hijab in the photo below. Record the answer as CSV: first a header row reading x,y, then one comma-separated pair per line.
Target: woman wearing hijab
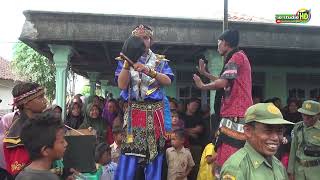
x,y
110,111
74,117
94,120
55,108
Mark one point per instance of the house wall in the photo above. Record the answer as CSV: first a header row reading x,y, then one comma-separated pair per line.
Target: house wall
x,y
6,87
278,85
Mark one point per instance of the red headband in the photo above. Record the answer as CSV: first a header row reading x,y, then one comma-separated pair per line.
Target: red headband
x,y
28,96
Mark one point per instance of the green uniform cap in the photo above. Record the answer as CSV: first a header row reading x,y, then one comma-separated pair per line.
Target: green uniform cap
x,y
266,113
310,107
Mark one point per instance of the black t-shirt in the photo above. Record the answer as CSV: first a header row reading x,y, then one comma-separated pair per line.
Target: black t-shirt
x,y
192,122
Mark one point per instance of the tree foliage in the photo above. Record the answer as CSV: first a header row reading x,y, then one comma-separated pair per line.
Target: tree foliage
x,y
34,67
85,91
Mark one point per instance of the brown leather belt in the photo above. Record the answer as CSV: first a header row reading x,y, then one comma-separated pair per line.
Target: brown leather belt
x,y
310,163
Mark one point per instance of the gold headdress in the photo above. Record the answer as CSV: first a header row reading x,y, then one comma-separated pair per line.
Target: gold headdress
x,y
142,30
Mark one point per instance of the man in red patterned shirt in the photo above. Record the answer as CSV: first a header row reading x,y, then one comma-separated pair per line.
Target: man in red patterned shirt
x,y
29,99
234,86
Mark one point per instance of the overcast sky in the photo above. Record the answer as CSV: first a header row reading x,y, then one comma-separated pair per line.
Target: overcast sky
x,y
12,19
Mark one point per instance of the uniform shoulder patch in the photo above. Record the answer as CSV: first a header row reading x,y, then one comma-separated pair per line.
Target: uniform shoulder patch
x,y
228,177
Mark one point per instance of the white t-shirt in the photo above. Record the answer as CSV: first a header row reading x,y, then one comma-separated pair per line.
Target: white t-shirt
x,y
108,171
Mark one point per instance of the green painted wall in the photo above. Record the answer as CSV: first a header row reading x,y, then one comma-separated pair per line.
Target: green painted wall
x,y
172,90
276,79
276,85
215,64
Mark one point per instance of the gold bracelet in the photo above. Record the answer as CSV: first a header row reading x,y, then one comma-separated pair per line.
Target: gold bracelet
x,y
126,65
152,73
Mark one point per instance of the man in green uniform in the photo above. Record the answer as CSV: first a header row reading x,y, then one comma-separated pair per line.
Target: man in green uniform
x,y
304,160
264,127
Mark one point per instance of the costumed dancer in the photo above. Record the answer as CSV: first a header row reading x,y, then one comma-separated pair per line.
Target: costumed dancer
x,y
141,74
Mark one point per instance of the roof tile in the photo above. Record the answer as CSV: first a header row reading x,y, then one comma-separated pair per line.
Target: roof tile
x,y
6,71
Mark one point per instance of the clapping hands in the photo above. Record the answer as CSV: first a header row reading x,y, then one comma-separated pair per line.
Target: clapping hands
x,y
201,67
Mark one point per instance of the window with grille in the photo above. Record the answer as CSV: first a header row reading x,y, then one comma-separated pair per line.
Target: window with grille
x,y
303,86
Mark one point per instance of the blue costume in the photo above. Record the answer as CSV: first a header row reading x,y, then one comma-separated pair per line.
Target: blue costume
x,y
147,121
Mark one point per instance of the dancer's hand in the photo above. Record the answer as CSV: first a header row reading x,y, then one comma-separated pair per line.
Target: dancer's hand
x,y
198,81
141,68
284,140
202,67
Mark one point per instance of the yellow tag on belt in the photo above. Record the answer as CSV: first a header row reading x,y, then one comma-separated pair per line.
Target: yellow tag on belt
x,y
129,138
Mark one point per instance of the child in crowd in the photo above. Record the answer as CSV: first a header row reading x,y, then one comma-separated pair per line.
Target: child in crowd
x,y
176,122
206,163
179,159
103,158
118,136
44,140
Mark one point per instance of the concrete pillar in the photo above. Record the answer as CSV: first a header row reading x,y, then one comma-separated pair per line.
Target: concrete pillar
x,y
215,64
104,87
276,85
93,77
61,57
